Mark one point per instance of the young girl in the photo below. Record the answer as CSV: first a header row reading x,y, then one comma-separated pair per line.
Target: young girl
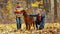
x,y
19,14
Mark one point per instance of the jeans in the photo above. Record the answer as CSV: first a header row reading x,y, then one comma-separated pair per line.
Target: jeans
x,y
18,19
41,23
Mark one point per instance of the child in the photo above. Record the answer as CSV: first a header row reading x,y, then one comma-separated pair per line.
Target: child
x,y
18,13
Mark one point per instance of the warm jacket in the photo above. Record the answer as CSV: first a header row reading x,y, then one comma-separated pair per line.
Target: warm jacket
x,y
18,10
36,15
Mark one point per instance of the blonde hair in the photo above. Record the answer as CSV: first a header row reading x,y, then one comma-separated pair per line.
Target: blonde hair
x,y
40,9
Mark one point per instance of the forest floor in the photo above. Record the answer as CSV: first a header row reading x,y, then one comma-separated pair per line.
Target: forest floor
x,y
50,28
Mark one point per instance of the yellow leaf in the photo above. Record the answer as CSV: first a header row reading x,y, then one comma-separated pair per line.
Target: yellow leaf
x,y
34,5
41,2
36,2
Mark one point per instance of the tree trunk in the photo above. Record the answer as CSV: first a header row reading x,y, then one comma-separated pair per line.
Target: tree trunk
x,y
55,10
45,5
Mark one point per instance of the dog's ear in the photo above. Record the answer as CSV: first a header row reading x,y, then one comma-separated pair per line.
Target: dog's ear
x,y
22,11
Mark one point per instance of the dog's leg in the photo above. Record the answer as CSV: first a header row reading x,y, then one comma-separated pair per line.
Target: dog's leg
x,y
29,26
26,26
33,23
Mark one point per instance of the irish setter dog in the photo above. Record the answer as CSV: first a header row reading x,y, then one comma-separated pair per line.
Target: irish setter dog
x,y
28,20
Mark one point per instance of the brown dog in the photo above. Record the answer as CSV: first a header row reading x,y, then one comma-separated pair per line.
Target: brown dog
x,y
28,20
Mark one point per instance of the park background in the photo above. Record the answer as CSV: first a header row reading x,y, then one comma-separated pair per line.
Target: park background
x,y
51,8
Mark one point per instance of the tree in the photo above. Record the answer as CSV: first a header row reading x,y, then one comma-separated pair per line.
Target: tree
x,y
55,10
47,5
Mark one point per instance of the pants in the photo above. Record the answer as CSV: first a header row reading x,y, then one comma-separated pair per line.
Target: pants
x,y
18,19
41,23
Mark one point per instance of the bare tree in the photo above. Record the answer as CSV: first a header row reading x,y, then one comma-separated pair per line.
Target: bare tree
x,y
47,5
55,10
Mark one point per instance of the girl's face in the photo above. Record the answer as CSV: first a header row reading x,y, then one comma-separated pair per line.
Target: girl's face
x,y
19,4
40,12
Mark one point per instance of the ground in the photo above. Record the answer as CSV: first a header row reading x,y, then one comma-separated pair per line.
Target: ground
x,y
50,28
